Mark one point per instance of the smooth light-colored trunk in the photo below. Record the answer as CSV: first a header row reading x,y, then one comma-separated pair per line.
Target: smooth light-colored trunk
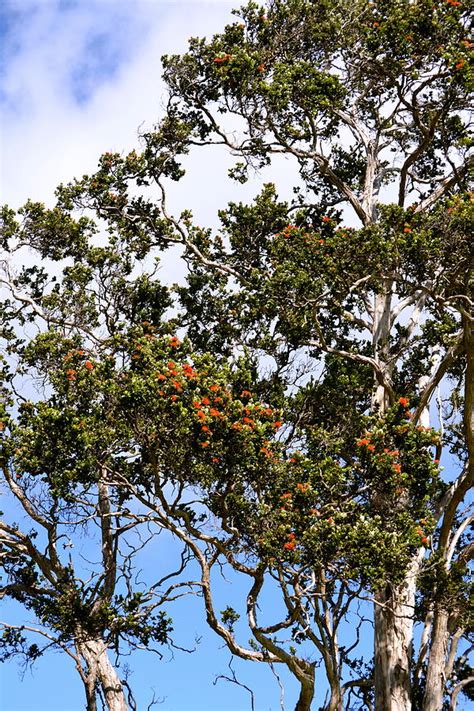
x,y
393,645
394,606
94,653
435,675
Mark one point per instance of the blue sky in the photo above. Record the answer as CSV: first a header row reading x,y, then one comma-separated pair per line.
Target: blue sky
x,y
78,78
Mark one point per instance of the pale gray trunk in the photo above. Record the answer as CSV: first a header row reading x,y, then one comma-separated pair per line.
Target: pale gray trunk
x,y
100,669
393,644
435,675
394,607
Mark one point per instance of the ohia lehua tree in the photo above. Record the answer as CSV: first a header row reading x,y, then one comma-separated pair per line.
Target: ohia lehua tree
x,y
284,410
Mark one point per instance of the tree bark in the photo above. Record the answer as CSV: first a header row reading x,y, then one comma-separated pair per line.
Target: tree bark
x,y
394,616
94,653
394,606
306,696
435,676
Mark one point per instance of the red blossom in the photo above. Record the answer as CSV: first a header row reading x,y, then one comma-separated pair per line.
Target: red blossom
x,y
404,401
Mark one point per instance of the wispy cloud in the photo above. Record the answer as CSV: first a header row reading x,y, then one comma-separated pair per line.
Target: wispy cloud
x,y
79,78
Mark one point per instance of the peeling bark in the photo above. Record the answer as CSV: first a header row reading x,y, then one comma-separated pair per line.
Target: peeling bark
x,y
394,617
100,669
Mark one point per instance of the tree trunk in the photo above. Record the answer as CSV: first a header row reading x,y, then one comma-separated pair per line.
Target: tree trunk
x,y
306,696
336,700
94,653
394,617
435,675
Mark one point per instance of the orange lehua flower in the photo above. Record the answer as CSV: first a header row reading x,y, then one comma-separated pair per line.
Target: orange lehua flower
x,y
326,219
261,67
136,356
204,444
205,428
214,388
397,468
302,487
407,229
197,403
292,536
215,460
161,392
174,398
89,365
330,520
206,401
171,365
177,385
321,241
460,64
287,495
314,512
2,426
214,413
71,374
175,342
363,442
424,540
248,420
201,415
160,376
291,545
218,399
404,401
277,424
371,447
245,393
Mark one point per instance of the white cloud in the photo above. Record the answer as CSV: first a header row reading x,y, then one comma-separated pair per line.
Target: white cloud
x,y
48,136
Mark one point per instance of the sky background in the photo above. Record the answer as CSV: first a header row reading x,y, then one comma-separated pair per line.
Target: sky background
x,y
78,78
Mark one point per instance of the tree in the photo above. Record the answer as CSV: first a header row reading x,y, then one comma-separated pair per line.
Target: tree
x,y
297,407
